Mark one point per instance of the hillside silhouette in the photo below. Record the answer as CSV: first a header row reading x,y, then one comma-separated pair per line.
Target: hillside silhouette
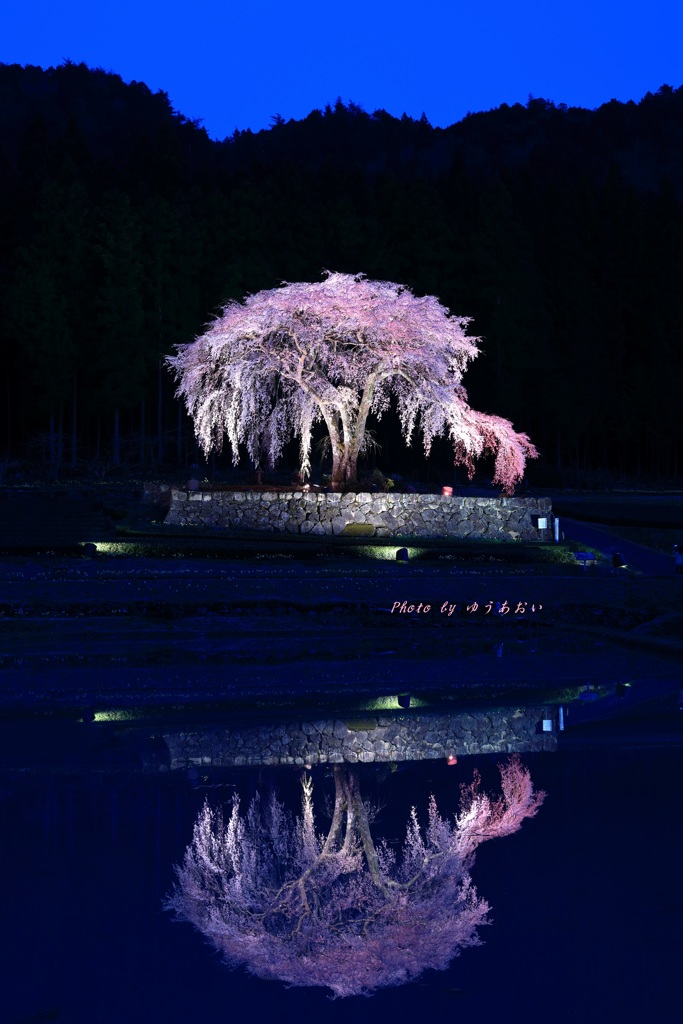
x,y
124,227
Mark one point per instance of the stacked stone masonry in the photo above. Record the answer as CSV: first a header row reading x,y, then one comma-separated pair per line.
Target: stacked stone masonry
x,y
409,737
157,495
378,515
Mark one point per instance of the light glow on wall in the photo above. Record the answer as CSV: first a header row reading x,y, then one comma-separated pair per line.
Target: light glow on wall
x,y
387,552
392,704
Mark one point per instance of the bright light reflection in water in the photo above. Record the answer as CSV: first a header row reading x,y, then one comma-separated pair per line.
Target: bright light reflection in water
x,y
117,715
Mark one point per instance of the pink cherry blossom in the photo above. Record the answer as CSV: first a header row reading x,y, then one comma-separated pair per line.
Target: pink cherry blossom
x,y
338,910
269,368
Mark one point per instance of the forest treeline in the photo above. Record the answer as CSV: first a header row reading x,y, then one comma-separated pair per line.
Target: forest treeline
x,y
124,227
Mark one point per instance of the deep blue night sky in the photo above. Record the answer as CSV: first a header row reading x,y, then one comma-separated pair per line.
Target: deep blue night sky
x,y
236,66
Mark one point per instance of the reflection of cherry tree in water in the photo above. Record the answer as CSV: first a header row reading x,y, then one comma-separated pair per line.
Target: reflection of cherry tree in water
x,y
341,910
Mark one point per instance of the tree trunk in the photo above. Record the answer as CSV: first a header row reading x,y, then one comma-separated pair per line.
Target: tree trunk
x,y
362,826
358,431
345,453
116,458
60,438
142,432
339,450
160,418
74,425
350,811
332,842
343,467
179,439
53,445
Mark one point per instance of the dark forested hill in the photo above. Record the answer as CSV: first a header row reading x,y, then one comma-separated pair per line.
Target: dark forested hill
x,y
644,140
123,227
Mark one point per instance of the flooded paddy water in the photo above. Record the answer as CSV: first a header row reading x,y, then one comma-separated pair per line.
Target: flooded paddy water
x,y
103,662
585,899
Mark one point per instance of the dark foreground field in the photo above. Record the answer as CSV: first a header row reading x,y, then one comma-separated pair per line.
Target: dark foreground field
x,y
167,620
79,633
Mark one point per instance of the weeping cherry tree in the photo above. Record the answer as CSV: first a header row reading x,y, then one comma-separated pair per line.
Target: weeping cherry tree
x,y
338,909
267,369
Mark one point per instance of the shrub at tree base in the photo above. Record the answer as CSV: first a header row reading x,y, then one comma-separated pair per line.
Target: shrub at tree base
x,y
339,910
337,351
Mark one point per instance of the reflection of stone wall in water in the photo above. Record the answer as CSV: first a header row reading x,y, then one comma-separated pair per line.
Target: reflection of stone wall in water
x,y
410,737
379,515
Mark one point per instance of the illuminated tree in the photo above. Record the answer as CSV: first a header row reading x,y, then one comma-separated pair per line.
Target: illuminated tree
x,y
269,368
339,910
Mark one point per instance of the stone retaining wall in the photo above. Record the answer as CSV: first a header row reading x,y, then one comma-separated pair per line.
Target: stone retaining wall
x,y
378,515
409,737
156,494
